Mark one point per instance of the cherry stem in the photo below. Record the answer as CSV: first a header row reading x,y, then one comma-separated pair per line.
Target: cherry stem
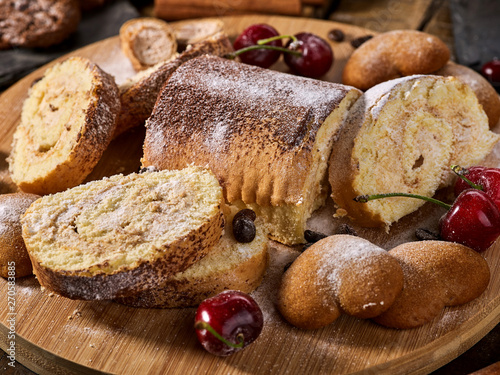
x,y
278,37
461,172
232,55
204,325
366,198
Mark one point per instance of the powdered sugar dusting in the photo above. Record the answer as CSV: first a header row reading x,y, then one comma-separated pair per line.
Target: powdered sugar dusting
x,y
215,140
116,63
267,87
266,295
7,217
347,252
248,95
11,208
377,97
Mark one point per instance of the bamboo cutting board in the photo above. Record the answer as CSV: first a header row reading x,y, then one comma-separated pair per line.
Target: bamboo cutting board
x,y
55,335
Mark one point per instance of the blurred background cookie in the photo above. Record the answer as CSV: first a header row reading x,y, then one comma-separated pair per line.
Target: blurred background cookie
x,y
42,23
101,23
88,5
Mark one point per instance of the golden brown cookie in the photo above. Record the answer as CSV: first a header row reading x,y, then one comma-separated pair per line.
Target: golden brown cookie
x,y
394,54
436,274
339,274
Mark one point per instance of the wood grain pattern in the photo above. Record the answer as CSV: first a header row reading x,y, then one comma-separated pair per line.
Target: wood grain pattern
x,y
55,335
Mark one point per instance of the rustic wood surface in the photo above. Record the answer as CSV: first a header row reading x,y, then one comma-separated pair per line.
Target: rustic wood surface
x,y
57,335
431,16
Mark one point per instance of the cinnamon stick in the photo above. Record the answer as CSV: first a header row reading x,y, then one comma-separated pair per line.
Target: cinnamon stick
x,y
181,9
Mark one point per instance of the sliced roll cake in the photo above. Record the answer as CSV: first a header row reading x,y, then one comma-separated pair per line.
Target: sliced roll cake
x,y
230,265
193,31
402,136
118,236
147,41
66,124
266,135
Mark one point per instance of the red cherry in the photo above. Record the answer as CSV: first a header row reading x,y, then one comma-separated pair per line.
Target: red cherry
x,y
260,57
491,70
228,322
316,58
487,178
473,220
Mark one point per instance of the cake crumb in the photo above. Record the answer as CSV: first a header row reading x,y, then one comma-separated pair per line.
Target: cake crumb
x,y
340,212
76,314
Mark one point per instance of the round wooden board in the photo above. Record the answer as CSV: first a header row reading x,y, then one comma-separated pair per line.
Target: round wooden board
x,y
55,335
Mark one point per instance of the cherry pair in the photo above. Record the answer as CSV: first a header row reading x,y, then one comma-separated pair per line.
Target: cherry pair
x,y
474,217
305,54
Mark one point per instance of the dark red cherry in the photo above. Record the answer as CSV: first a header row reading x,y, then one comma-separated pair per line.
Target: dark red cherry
x,y
491,70
228,322
260,57
487,178
473,220
316,58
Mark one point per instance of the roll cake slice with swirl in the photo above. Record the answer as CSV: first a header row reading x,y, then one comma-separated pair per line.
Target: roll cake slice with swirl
x,y
266,135
402,136
67,122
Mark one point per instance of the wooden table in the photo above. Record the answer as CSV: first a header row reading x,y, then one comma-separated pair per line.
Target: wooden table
x,y
433,17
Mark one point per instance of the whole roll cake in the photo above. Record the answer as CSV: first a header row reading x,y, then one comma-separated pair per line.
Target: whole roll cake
x,y
402,136
266,135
